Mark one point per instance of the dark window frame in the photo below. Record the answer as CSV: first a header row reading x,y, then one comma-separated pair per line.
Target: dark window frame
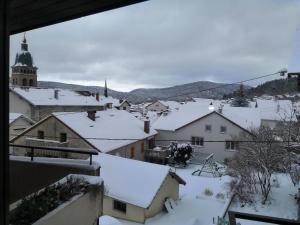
x,y
120,206
208,126
40,134
223,129
63,137
197,141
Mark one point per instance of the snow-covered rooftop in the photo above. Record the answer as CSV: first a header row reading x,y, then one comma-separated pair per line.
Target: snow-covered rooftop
x,y
275,109
111,129
14,116
115,102
189,112
46,97
131,181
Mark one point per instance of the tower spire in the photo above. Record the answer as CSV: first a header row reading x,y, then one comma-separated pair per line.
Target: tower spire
x,y
24,45
105,89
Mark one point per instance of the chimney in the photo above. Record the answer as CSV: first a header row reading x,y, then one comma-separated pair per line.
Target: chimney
x,y
147,126
97,96
56,94
92,115
220,109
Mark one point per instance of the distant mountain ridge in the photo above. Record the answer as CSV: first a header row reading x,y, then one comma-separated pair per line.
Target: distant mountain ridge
x,y
273,87
176,93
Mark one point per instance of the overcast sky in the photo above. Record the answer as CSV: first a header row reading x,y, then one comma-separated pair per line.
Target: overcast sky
x,y
161,43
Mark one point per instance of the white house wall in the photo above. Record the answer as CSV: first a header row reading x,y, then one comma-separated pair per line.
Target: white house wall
x,y
197,129
19,105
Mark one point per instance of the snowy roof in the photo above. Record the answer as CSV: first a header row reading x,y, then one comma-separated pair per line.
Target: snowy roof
x,y
14,116
192,111
120,127
45,97
115,102
275,109
131,181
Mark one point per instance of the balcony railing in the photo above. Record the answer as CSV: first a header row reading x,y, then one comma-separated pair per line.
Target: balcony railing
x,y
259,218
89,152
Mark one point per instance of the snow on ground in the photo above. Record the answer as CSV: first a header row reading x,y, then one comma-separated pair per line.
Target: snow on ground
x,y
194,207
282,203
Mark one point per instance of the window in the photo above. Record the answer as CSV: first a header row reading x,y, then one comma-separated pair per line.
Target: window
x,y
24,83
198,141
41,134
142,147
223,129
63,137
231,145
132,152
208,128
120,206
124,108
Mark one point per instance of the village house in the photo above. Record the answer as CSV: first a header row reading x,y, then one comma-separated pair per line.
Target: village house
x,y
110,102
113,131
38,103
17,124
136,190
208,130
162,106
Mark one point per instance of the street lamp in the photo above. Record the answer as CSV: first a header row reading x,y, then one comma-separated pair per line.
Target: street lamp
x,y
211,107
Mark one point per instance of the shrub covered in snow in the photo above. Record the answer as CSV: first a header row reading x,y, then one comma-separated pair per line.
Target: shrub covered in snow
x,y
208,192
180,153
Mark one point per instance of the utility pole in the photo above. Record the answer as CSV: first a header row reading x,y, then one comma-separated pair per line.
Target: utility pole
x,y
290,75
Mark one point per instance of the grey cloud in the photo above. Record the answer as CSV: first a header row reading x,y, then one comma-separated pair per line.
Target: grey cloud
x,y
167,42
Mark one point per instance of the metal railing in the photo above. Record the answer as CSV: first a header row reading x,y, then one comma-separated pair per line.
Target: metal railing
x,y
259,218
89,152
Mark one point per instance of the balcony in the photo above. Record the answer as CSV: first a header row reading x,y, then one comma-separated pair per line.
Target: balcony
x,y
85,207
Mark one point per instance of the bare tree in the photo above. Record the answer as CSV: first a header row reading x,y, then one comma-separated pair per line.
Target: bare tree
x,y
259,156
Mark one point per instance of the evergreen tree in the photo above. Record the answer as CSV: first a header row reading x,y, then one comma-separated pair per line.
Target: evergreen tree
x,y
240,100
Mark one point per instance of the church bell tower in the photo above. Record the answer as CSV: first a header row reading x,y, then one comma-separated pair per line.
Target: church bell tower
x,y
24,73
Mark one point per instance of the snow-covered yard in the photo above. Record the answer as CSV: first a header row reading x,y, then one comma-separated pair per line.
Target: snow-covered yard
x,y
281,202
194,207
197,208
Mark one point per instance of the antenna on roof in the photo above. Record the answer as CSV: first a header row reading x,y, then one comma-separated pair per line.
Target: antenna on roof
x,y
24,37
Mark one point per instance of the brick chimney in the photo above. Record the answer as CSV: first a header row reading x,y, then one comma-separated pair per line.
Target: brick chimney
x,y
91,115
97,96
56,94
147,126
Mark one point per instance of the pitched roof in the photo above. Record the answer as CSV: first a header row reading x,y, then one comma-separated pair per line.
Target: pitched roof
x,y
131,181
45,97
14,116
111,130
275,109
193,111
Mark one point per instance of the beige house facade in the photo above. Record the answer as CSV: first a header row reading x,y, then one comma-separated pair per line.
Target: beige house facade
x,y
17,124
38,103
143,194
157,106
54,131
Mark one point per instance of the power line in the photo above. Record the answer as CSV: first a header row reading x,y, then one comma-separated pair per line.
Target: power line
x,y
225,85
163,140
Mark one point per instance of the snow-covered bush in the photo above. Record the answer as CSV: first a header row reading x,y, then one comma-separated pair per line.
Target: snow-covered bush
x,y
220,195
208,192
180,153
